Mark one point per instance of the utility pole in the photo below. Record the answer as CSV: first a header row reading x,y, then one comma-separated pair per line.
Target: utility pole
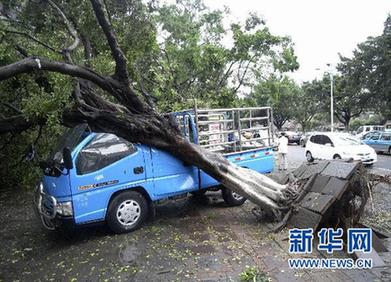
x,y
331,99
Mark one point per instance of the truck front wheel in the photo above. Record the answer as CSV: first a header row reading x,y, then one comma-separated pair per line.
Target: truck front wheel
x,y
127,212
232,198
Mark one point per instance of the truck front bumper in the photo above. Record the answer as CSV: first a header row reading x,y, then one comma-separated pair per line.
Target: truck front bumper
x,y
45,207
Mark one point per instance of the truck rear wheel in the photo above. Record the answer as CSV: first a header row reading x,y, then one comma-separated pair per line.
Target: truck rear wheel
x,y
127,212
232,198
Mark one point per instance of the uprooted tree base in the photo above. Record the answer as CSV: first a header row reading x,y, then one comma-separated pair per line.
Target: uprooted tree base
x,y
329,194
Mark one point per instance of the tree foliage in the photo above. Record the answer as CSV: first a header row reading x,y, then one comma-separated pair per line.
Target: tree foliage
x,y
280,93
368,73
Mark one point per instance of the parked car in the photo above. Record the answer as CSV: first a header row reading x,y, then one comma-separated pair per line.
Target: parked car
x,y
380,141
304,138
362,130
330,145
293,137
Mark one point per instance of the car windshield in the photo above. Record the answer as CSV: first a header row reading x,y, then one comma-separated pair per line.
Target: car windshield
x,y
346,140
70,139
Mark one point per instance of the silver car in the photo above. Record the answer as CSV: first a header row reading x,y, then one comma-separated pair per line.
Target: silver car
x,y
379,140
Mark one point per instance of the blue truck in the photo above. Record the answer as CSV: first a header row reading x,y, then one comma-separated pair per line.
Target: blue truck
x,y
98,177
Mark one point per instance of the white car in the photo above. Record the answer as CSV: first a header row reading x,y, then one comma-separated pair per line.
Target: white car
x,y
330,145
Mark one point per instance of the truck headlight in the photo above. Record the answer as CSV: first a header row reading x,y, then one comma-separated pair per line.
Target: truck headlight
x,y
64,208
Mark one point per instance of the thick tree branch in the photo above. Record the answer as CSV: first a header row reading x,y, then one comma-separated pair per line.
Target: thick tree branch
x,y
121,71
113,87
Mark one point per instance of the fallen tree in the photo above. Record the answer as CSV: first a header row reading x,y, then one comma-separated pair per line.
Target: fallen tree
x,y
132,115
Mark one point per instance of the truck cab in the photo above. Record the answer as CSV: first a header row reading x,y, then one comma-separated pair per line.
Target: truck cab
x,y
99,177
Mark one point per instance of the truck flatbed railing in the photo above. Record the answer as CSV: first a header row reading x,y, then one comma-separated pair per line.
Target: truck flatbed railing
x,y
228,130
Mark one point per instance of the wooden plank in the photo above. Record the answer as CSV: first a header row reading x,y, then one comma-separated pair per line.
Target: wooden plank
x,y
300,170
319,183
335,187
306,188
314,168
317,202
340,169
303,218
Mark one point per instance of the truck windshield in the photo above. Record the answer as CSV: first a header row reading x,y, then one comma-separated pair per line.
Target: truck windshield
x,y
70,139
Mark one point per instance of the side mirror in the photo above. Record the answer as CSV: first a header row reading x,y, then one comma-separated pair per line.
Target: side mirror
x,y
329,145
66,155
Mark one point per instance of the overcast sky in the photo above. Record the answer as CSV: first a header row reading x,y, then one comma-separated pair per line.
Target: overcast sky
x,y
320,29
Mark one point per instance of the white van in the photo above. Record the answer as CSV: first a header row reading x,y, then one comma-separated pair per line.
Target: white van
x,y
362,130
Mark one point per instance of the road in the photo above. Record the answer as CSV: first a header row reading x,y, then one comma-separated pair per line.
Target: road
x,y
296,156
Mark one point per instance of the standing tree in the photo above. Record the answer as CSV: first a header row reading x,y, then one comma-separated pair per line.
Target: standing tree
x,y
308,103
278,93
369,71
107,100
193,63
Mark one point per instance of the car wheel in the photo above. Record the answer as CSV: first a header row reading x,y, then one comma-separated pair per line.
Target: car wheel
x,y
337,157
127,212
232,198
309,157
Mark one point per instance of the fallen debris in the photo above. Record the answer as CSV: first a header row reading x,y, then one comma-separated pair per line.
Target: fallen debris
x,y
327,194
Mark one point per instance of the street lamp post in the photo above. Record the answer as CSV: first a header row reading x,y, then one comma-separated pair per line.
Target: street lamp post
x,y
331,97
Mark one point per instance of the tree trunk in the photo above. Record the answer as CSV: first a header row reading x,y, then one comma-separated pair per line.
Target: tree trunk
x,y
159,131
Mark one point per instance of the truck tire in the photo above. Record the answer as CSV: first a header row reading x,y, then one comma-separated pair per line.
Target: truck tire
x,y
232,198
127,212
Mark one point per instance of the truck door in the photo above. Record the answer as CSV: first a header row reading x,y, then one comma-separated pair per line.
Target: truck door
x,y
173,176
103,166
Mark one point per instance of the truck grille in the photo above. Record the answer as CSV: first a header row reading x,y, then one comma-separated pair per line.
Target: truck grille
x,y
48,205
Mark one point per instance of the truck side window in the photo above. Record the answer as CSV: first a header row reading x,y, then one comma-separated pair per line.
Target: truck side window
x,y
102,151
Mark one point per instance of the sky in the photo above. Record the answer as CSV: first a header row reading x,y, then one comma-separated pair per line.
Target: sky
x,y
320,29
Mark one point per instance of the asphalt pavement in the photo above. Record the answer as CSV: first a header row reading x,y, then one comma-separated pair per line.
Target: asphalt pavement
x,y
296,155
